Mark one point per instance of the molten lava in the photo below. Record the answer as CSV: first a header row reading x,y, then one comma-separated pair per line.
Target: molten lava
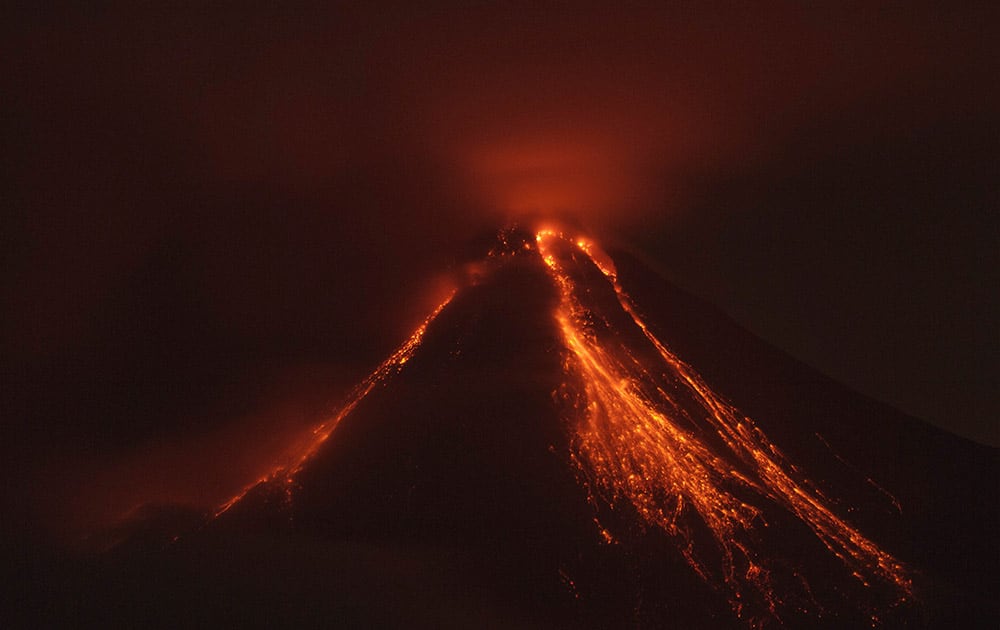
x,y
650,438
653,434
284,473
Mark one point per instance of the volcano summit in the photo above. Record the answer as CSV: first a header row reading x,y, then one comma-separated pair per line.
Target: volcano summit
x,y
568,441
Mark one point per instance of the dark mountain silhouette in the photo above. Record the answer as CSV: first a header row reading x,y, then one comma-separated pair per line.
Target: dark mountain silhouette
x,y
570,441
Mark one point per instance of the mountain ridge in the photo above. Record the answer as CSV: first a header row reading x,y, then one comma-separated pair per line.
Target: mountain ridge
x,y
467,442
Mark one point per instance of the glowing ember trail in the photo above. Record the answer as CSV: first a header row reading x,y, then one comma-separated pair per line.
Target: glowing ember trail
x,y
652,433
285,473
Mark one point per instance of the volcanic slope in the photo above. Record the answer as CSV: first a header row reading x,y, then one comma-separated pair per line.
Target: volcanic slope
x,y
569,441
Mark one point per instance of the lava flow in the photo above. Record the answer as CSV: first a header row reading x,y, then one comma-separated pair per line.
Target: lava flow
x,y
652,433
653,442
284,473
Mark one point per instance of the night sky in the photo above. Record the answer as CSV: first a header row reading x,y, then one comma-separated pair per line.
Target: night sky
x,y
215,221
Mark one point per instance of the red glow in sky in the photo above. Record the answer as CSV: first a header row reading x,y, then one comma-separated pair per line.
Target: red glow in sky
x,y
195,197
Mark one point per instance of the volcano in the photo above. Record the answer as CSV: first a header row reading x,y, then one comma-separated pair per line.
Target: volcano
x,y
569,441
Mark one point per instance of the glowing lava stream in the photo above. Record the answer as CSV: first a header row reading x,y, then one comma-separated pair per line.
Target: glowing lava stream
x,y
285,473
637,441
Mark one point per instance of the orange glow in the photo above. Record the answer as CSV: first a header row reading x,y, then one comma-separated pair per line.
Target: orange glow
x,y
553,176
652,433
648,433
285,473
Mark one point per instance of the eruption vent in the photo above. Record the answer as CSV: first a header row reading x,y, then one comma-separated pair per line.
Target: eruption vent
x,y
656,450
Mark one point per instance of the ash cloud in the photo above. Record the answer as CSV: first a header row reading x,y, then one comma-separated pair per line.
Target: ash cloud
x,y
197,199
